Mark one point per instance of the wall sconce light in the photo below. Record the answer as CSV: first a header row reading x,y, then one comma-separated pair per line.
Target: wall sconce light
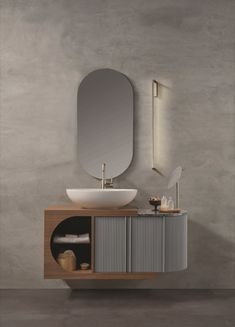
x,y
155,87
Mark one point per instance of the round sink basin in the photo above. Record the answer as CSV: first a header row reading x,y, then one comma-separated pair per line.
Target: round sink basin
x,y
94,198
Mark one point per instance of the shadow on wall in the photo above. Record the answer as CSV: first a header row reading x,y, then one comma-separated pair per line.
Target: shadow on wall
x,y
153,138
207,269
210,257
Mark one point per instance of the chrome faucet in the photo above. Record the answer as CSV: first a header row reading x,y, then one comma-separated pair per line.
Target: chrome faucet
x,y
104,182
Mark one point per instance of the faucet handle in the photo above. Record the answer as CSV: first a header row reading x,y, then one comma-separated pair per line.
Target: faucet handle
x,y
109,184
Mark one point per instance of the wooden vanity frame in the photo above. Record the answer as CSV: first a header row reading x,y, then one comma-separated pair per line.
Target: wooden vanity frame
x,y
54,215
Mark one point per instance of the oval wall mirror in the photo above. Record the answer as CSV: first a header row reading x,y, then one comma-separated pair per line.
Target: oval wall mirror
x,y
105,122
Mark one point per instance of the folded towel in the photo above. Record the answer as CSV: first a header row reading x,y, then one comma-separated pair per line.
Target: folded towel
x,y
70,238
71,235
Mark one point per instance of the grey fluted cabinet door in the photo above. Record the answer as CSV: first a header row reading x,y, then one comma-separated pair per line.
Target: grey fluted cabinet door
x,y
141,244
146,238
110,244
175,243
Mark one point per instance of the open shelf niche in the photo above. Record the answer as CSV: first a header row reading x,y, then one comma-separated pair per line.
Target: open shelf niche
x,y
83,251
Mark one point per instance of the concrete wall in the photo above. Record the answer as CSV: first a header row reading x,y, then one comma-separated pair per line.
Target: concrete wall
x,y
47,47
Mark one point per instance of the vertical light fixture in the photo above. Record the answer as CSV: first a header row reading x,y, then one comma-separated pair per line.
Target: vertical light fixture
x,y
155,87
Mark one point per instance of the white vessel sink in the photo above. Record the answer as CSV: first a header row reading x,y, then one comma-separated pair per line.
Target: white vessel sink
x,y
94,198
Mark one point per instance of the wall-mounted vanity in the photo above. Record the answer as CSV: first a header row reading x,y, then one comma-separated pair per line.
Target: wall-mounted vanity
x,y
113,243
124,243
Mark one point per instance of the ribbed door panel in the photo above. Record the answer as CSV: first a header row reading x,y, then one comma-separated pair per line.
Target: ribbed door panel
x,y
141,244
110,244
175,243
146,244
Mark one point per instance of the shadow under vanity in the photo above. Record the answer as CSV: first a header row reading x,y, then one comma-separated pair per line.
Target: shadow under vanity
x,y
124,243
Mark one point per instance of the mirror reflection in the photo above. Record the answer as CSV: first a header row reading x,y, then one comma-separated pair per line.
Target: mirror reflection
x,y
105,123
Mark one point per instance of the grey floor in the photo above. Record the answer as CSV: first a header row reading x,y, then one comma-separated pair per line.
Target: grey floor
x,y
117,308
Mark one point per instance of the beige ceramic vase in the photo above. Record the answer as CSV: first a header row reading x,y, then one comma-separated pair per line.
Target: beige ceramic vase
x,y
67,260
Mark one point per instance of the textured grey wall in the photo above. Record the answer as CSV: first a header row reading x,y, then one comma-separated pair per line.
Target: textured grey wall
x,y
47,47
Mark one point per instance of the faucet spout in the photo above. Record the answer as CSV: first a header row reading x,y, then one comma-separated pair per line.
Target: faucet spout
x,y
105,183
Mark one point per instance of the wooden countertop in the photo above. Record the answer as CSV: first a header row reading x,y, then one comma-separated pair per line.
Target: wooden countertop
x,y
73,209
76,210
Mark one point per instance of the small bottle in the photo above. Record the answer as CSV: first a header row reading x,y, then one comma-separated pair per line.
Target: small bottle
x,y
170,203
163,202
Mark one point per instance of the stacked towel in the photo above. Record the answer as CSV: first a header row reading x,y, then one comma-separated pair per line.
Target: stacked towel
x,y
72,238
